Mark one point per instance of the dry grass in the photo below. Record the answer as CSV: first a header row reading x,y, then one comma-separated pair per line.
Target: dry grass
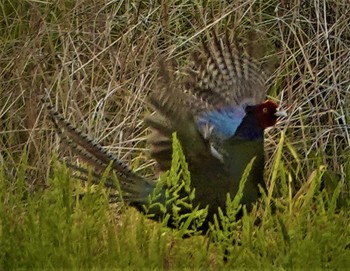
x,y
97,61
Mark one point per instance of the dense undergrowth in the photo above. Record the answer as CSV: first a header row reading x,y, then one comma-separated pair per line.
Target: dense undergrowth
x,y
97,60
55,228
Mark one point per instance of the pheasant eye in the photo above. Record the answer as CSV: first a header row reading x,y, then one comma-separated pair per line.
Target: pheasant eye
x,y
265,110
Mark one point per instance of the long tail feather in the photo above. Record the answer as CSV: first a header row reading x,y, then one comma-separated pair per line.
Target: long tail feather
x,y
132,185
102,157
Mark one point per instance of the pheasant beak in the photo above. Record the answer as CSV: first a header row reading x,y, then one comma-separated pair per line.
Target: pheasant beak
x,y
281,114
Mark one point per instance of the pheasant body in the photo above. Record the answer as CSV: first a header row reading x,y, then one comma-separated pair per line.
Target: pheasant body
x,y
219,117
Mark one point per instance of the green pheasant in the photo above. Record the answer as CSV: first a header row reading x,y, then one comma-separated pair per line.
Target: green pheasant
x,y
219,116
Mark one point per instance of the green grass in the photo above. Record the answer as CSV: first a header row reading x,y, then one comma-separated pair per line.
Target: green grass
x,y
53,229
97,61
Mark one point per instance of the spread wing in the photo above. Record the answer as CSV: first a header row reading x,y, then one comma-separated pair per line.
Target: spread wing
x,y
208,108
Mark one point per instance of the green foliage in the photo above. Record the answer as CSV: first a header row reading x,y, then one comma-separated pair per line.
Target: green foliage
x,y
174,196
56,229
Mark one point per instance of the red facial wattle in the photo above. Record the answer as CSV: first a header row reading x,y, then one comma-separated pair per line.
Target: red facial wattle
x,y
266,114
